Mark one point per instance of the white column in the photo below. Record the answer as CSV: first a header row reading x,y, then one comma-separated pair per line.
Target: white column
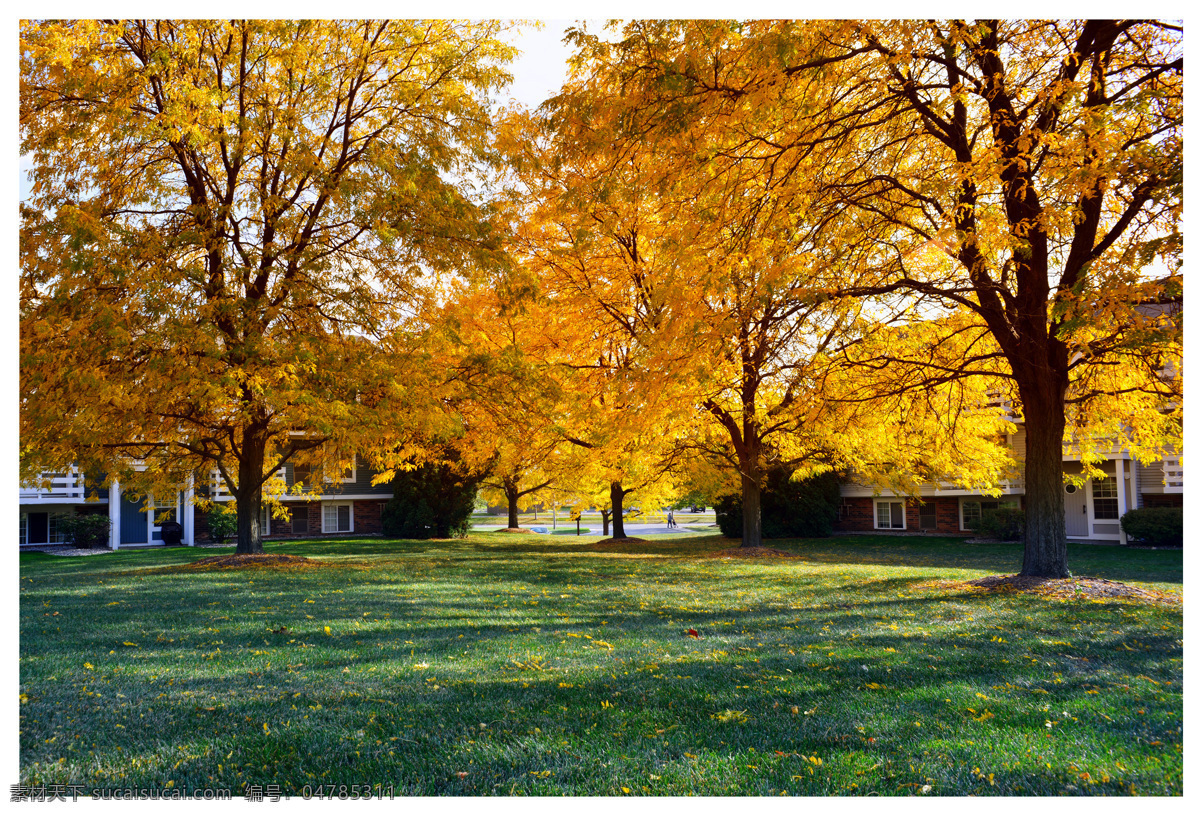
x,y
189,513
1122,487
114,515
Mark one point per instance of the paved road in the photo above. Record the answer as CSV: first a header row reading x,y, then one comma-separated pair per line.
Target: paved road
x,y
631,529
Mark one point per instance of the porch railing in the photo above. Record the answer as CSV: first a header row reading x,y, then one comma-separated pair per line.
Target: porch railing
x,y
67,486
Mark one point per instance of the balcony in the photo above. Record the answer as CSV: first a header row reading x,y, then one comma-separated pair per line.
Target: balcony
x,y
1172,467
63,487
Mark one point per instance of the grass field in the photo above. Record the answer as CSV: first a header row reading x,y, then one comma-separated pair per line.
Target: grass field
x,y
523,665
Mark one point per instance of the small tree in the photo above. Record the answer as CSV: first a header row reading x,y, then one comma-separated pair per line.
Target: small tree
x,y
434,500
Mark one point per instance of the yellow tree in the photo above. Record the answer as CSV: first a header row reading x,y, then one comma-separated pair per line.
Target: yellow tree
x,y
502,355
228,222
714,281
1043,157
586,224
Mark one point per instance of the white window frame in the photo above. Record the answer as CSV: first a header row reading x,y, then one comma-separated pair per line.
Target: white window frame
x,y
903,513
325,506
1110,490
54,535
352,478
264,519
157,504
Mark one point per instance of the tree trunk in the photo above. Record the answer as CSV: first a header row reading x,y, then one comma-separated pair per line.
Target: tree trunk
x,y
749,462
249,494
751,511
617,496
604,514
510,492
1045,517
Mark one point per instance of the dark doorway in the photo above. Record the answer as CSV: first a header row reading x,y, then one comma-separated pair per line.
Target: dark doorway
x,y
299,516
39,528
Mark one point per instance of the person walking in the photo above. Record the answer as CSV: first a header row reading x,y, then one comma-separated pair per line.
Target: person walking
x,y
670,519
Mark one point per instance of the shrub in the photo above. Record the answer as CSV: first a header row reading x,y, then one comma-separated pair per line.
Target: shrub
x,y
1155,526
790,509
87,532
1004,524
222,523
431,501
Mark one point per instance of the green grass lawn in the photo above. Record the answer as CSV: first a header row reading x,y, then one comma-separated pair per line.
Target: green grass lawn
x,y
512,664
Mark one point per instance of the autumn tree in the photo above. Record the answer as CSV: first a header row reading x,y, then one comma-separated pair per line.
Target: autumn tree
x,y
1043,158
501,352
228,224
713,277
585,223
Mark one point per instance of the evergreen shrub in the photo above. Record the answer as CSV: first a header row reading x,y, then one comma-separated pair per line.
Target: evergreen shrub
x,y
1004,524
431,501
790,509
1155,526
87,532
222,523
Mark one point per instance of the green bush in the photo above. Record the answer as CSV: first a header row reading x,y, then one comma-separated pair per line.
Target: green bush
x,y
431,501
87,532
1155,526
790,509
222,523
1004,524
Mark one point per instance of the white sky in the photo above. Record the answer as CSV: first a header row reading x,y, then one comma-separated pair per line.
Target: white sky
x,y
539,71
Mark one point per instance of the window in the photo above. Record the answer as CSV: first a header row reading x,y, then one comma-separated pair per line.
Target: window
x,y
349,473
889,515
1104,499
24,529
337,517
55,532
972,510
264,520
164,510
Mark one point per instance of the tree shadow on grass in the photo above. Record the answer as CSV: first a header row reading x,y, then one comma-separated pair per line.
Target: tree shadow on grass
x,y
449,641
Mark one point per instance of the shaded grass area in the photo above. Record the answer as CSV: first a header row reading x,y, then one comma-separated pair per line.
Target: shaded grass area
x,y
514,664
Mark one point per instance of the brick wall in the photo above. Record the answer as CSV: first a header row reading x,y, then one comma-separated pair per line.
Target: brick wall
x,y
856,513
947,515
367,516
